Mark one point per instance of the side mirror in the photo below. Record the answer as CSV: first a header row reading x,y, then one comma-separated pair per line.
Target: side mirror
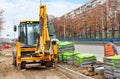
x,y
15,28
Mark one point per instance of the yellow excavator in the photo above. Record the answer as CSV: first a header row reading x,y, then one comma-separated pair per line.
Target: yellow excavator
x,y
36,42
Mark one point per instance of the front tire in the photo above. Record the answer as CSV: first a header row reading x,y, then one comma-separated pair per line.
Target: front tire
x,y
49,64
14,58
21,66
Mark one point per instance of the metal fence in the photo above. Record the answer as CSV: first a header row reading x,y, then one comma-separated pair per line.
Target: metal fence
x,y
91,38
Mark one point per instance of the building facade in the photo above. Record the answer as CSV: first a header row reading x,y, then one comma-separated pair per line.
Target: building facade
x,y
97,19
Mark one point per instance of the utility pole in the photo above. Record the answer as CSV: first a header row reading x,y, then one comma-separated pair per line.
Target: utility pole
x,y
103,24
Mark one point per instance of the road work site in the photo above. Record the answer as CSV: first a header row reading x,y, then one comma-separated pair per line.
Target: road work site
x,y
63,47
8,71
36,71
62,70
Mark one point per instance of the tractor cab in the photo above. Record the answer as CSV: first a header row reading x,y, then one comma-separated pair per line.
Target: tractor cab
x,y
28,32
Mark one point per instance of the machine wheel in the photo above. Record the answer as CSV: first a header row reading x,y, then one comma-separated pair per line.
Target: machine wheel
x,y
48,64
21,66
14,58
42,63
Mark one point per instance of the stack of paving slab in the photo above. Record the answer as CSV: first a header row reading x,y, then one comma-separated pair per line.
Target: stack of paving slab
x,y
112,67
85,59
66,51
67,57
65,46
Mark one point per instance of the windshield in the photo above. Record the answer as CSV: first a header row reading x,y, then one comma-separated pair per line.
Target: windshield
x,y
29,32
32,33
22,33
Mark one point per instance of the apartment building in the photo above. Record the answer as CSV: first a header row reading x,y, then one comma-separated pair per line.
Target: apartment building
x,y
92,18
108,4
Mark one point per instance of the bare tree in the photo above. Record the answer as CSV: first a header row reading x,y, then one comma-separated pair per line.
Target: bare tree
x,y
99,22
118,22
1,20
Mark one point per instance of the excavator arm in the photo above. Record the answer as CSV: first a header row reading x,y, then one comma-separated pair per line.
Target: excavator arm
x,y
46,47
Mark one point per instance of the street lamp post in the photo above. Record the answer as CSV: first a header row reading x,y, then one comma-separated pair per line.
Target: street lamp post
x,y
64,28
105,17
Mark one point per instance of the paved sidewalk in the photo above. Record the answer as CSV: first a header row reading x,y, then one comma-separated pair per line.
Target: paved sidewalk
x,y
98,50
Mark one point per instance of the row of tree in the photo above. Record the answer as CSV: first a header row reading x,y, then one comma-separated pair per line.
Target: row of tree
x,y
1,20
101,21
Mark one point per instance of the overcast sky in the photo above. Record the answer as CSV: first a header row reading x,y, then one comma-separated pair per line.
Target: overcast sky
x,y
16,10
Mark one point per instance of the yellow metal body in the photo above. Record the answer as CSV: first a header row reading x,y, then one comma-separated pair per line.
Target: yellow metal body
x,y
44,32
18,53
45,37
25,21
19,50
27,49
40,48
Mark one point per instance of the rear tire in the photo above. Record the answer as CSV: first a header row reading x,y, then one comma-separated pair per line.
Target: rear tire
x,y
42,63
21,66
48,64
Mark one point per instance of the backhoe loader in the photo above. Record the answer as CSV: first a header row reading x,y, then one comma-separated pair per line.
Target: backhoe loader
x,y
36,42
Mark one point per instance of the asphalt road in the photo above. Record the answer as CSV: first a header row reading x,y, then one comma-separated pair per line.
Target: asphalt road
x,y
98,50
